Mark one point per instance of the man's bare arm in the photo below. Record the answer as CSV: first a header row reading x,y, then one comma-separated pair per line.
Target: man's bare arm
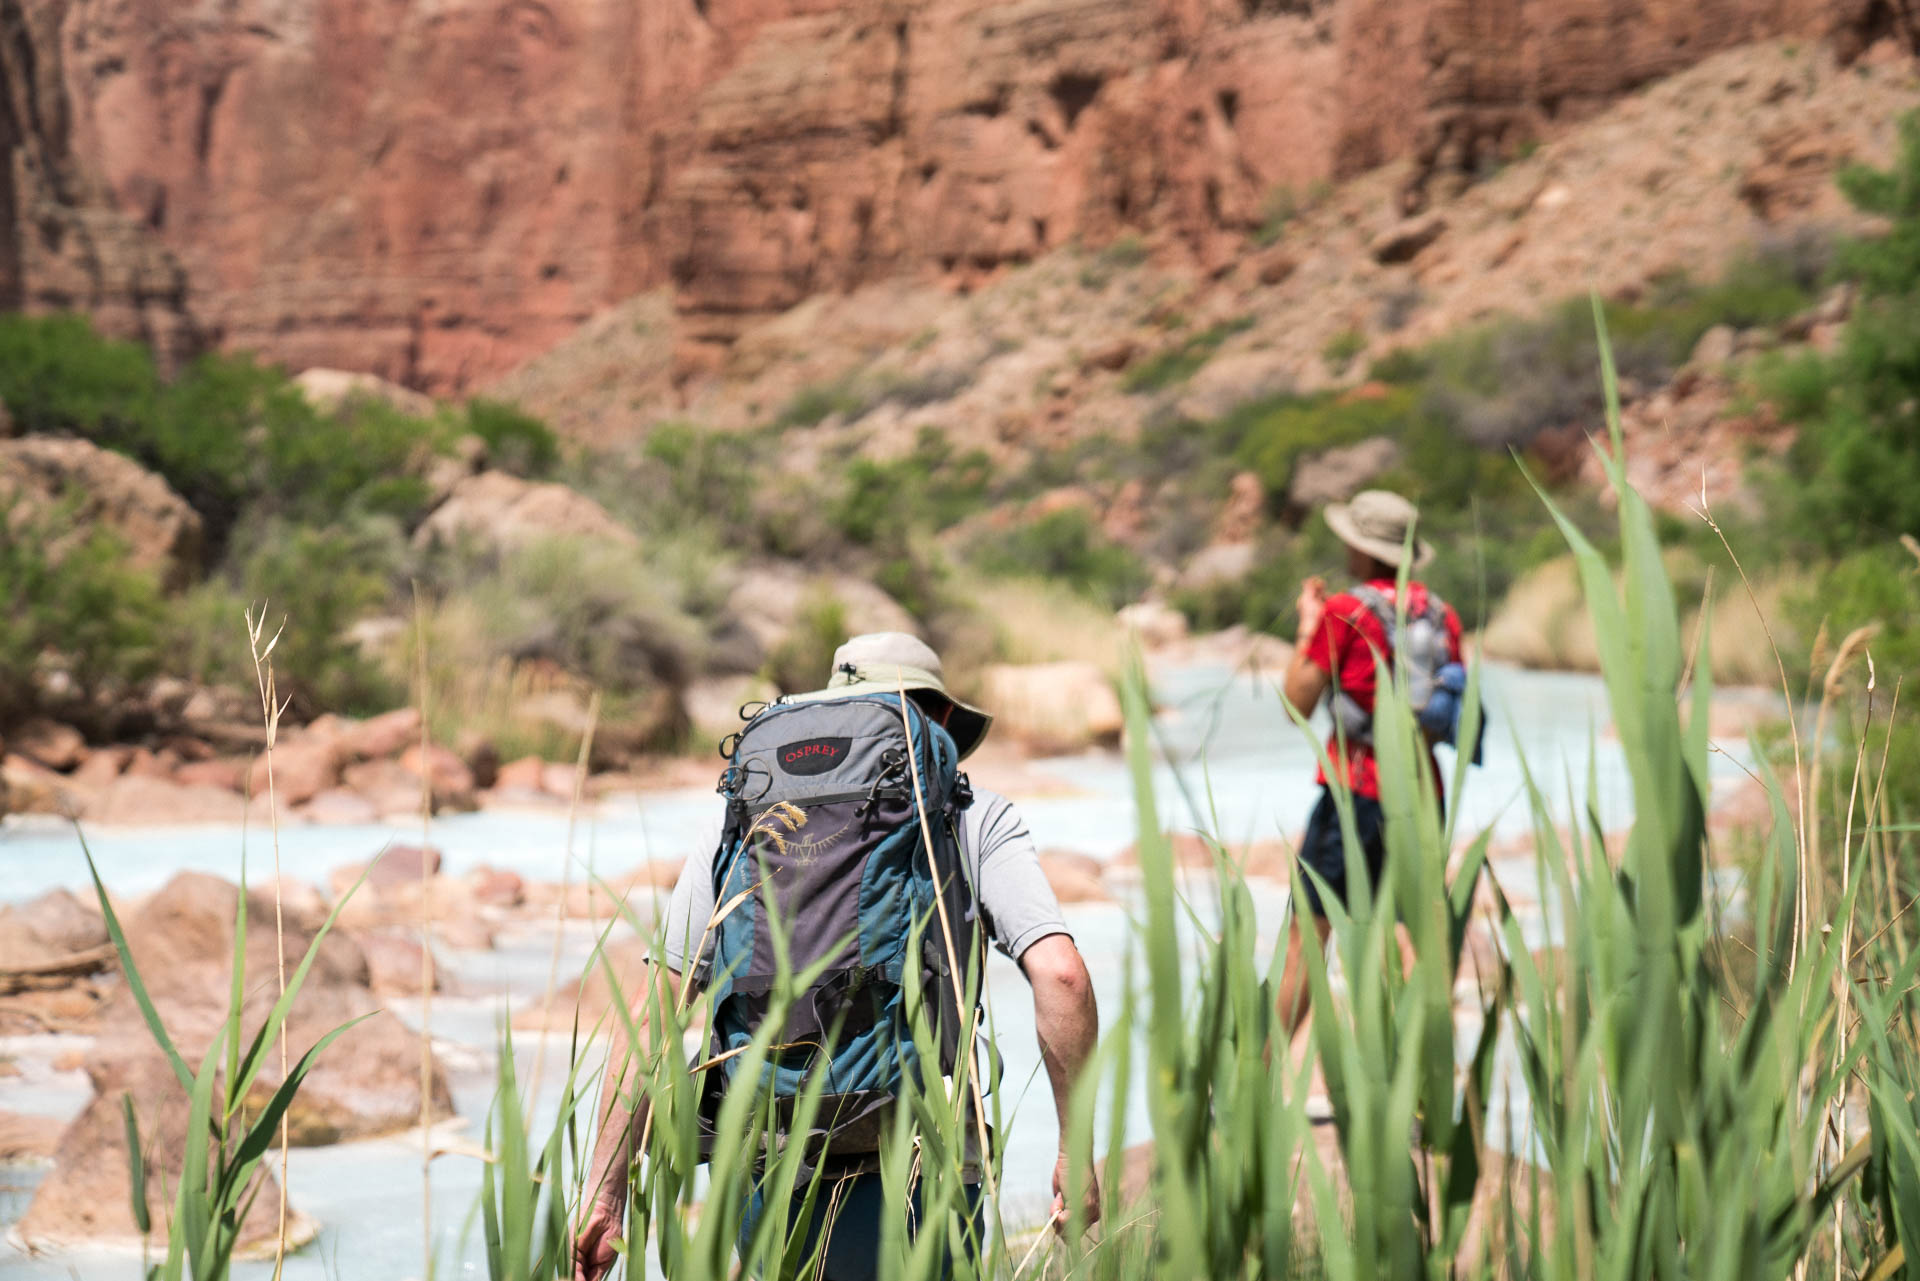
x,y
1068,1022
1306,680
620,1127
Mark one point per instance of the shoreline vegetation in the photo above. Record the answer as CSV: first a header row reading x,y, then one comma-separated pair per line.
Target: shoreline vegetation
x,y
1710,1091
694,572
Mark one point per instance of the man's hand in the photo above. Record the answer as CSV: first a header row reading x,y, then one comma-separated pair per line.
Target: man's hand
x,y
1061,1219
1312,607
593,1252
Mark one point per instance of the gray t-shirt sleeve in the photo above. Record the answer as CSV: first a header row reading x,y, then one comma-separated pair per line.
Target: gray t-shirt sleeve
x,y
689,910
1004,865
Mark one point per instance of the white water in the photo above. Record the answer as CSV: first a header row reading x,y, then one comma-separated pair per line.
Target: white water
x,y
1243,772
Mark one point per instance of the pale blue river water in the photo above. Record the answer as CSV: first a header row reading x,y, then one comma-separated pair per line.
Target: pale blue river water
x,y
1238,768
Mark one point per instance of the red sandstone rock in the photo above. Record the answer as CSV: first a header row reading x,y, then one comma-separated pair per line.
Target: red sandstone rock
x,y
226,773
160,530
497,887
514,168
451,780
394,963
403,864
302,769
526,774
381,736
56,746
1075,878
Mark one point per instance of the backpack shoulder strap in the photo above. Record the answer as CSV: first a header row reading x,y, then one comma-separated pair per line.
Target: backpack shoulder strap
x,y
1379,604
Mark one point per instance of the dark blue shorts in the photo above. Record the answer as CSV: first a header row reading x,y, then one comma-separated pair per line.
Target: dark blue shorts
x,y
853,1243
1323,849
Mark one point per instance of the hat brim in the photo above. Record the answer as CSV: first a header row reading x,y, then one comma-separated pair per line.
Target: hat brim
x,y
1340,520
966,724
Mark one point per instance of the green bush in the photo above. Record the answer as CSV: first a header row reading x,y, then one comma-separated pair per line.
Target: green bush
x,y
229,435
817,402
317,580
1269,436
1342,348
1182,361
1066,545
516,441
1855,465
75,605
801,661
929,487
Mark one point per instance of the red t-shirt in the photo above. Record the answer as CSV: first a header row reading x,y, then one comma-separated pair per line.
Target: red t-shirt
x,y
1343,646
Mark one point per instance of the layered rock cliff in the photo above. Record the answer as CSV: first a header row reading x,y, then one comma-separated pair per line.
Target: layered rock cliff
x,y
436,192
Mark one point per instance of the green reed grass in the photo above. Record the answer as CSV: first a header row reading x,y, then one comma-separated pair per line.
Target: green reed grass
x,y
226,1138
1685,1108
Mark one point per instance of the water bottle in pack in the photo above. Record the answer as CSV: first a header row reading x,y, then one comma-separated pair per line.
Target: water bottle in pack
x,y
1435,683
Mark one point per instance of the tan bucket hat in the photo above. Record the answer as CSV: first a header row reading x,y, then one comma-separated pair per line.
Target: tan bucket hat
x,y
1377,522
886,663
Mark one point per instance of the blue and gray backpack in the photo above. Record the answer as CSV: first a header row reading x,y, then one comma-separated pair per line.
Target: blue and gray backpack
x,y
824,834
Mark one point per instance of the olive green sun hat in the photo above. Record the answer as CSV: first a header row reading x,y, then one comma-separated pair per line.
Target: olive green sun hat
x,y
1377,522
889,662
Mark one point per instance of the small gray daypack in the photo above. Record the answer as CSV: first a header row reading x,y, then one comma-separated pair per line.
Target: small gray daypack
x,y
1424,653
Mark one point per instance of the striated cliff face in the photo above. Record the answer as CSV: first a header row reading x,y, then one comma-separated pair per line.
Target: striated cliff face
x,y
436,191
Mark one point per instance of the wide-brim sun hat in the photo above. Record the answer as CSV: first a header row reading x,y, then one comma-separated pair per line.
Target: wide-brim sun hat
x,y
1377,522
889,662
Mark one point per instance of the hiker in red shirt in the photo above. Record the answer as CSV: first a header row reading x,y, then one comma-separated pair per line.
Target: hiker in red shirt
x,y
1340,638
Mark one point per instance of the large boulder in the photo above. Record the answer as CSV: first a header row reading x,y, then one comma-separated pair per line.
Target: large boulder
x,y
770,604
587,1000
301,769
377,737
368,1083
1335,475
25,1137
52,744
139,800
57,925
503,512
1053,707
32,788
87,1200
331,390
160,530
182,941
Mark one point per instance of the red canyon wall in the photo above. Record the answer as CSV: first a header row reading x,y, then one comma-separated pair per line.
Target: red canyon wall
x,y
434,191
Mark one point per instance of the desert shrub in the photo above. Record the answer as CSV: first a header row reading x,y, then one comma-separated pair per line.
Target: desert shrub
x,y
1182,361
74,605
228,434
316,580
1855,465
365,458
516,441
1343,347
1279,208
1123,254
1269,436
595,609
1797,385
815,403
928,487
1066,545
57,373
1877,587
800,662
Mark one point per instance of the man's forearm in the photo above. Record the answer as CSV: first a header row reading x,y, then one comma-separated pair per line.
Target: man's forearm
x,y
1066,1018
623,1113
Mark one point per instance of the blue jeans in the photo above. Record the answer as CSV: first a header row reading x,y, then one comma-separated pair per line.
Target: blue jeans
x,y
853,1242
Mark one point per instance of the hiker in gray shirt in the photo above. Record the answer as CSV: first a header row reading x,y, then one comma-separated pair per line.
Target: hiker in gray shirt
x,y
1018,910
